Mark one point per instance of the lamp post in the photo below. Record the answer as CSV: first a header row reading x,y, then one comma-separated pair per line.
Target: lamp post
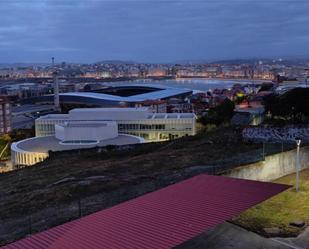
x,y
298,142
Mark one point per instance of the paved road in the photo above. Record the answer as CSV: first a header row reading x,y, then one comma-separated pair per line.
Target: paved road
x,y
21,121
302,241
229,236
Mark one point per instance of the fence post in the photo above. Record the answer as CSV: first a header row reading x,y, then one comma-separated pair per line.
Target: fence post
x,y
79,208
30,224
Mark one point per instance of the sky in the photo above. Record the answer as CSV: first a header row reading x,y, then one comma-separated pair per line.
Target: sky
x,y
152,30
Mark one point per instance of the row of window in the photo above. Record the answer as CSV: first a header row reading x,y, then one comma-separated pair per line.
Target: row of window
x,y
141,127
128,127
79,142
46,127
160,136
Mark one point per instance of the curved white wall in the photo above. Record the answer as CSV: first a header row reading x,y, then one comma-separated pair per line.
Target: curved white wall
x,y
25,158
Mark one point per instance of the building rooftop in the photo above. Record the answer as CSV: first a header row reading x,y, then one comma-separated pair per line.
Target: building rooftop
x,y
101,114
159,92
55,116
111,110
111,99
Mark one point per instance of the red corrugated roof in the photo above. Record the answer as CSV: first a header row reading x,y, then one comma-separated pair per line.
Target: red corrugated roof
x,y
161,219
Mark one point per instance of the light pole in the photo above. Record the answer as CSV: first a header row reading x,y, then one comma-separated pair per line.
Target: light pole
x,y
298,142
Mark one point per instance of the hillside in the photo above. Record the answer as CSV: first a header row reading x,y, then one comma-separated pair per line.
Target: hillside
x,y
70,184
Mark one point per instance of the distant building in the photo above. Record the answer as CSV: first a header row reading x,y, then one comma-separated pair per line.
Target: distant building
x,y
248,115
178,105
5,115
155,106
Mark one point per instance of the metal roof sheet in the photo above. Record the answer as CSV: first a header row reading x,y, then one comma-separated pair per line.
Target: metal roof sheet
x,y
161,219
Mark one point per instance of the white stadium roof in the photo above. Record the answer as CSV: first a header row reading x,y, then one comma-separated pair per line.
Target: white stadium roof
x,y
161,93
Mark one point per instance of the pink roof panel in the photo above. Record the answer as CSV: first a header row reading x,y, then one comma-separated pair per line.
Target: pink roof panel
x,y
161,219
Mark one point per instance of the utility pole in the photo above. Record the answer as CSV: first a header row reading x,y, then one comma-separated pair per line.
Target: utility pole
x,y
298,142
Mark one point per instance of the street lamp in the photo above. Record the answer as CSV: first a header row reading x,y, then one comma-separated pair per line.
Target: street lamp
x,y
298,142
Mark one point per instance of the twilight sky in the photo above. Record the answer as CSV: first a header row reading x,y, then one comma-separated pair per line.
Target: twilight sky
x,y
152,30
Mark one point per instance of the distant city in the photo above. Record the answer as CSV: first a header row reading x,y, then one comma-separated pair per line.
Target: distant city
x,y
259,69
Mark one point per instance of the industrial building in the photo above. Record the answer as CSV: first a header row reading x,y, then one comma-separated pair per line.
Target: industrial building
x,y
98,127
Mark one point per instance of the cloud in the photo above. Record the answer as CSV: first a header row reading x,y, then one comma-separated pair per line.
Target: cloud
x,y
151,30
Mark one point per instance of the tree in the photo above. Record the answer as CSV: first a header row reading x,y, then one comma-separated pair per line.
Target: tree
x,y
219,114
292,105
4,146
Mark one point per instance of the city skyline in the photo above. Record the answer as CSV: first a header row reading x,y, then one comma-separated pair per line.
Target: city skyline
x,y
87,31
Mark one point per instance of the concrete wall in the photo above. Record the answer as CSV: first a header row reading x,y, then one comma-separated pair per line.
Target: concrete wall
x,y
113,114
21,157
82,131
273,167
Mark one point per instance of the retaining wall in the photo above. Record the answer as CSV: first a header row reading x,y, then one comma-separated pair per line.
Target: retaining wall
x,y
273,167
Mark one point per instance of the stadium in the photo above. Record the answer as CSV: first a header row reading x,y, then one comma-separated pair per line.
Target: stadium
x,y
126,95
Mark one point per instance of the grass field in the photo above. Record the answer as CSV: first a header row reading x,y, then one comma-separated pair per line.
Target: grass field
x,y
281,210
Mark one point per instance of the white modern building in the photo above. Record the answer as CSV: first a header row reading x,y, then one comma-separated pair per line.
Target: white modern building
x,y
153,127
98,127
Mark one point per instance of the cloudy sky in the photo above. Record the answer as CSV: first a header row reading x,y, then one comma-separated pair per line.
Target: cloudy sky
x,y
152,30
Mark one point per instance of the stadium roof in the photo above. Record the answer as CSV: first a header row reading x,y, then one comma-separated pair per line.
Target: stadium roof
x,y
161,93
156,92
161,219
